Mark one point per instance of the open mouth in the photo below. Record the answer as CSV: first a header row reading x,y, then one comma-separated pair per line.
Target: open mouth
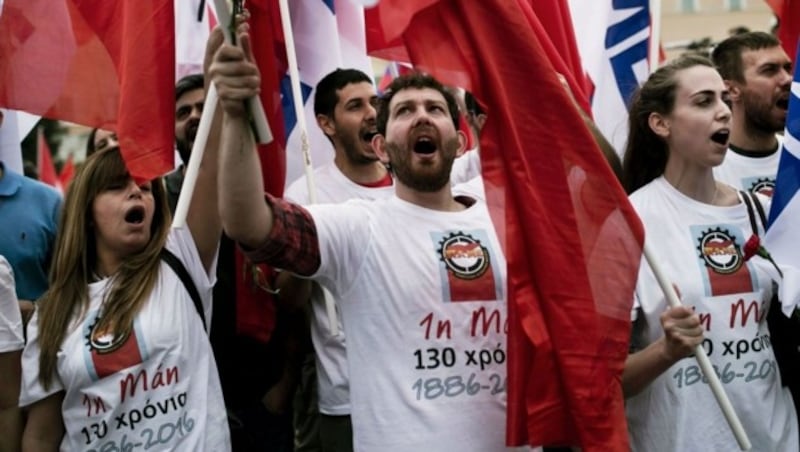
x,y
424,145
721,136
135,215
367,136
783,103
191,130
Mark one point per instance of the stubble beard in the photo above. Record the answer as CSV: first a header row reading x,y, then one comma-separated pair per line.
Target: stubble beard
x,y
354,151
759,116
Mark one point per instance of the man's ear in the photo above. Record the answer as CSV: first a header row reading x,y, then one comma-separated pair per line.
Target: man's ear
x,y
462,143
659,124
480,120
379,146
734,90
327,125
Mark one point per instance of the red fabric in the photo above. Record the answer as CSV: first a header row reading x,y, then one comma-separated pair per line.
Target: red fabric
x,y
555,19
107,64
788,12
255,308
67,172
44,163
572,240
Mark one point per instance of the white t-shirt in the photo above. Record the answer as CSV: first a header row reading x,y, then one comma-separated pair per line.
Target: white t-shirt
x,y
11,338
158,390
473,188
699,247
331,355
466,167
423,302
753,174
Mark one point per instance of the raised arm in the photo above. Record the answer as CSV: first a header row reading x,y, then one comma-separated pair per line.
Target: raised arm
x,y
203,216
246,218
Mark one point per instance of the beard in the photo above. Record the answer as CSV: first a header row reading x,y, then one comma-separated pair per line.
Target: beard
x,y
353,147
184,149
429,177
760,115
184,145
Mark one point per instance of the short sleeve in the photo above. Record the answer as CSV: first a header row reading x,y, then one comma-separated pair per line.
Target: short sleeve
x,y
181,243
11,338
32,390
345,236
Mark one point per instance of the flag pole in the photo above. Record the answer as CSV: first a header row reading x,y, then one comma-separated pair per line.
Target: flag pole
x,y
204,128
654,52
299,110
258,119
198,149
702,358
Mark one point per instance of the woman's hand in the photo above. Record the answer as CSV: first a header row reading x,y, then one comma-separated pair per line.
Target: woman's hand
x,y
682,332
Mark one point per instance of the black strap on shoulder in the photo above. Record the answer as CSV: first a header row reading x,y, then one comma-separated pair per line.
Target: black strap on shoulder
x,y
749,200
760,210
183,274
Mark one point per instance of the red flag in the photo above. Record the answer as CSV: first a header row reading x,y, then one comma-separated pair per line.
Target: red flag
x,y
572,240
67,171
788,13
255,316
107,64
562,48
44,163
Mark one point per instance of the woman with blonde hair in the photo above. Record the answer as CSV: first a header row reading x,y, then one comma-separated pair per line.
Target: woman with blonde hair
x,y
117,354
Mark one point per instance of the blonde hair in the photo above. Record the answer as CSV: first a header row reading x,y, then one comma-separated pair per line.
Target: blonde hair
x,y
75,260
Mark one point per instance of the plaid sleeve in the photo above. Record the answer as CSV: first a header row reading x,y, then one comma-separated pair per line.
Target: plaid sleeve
x,y
292,244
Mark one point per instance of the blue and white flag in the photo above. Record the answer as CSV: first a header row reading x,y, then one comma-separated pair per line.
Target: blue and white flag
x,y
328,34
783,234
613,40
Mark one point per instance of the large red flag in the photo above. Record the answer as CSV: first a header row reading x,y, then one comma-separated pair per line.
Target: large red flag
x,y
255,308
788,13
562,48
572,240
108,64
553,17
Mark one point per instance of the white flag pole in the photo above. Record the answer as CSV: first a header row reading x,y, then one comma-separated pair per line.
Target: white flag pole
x,y
204,128
258,118
198,149
654,53
702,358
297,96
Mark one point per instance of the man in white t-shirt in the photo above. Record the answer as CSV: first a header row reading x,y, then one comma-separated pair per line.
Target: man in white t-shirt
x,y
344,105
420,276
758,74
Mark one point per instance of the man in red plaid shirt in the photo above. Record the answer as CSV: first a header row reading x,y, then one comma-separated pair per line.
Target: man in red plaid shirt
x,y
420,276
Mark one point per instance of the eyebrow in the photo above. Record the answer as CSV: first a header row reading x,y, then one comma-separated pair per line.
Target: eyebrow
x,y
709,92
354,100
402,103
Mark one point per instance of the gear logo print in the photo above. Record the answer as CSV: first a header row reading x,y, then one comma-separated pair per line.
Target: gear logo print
x,y
463,255
719,251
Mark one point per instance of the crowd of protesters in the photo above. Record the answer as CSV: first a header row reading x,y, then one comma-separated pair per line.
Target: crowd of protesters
x,y
135,339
